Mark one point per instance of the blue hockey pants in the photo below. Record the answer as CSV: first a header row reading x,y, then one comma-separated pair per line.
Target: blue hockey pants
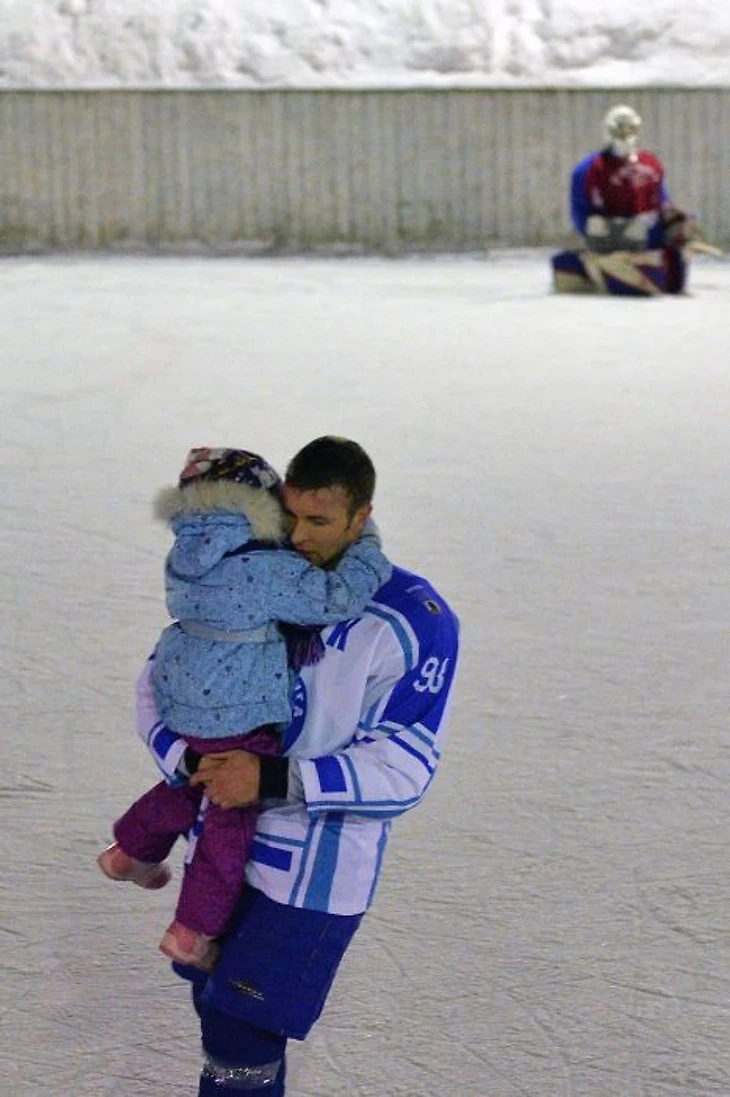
x,y
227,1042
270,985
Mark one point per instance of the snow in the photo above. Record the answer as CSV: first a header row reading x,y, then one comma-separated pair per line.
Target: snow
x,y
554,919
363,43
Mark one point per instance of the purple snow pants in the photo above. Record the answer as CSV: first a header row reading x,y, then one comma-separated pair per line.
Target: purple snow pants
x,y
214,876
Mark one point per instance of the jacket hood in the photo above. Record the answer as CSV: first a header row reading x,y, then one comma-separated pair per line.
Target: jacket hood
x,y
259,506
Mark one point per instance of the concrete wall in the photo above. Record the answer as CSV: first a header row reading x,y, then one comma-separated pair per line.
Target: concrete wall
x,y
380,171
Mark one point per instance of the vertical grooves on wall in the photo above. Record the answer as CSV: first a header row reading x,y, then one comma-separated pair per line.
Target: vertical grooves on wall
x,y
382,171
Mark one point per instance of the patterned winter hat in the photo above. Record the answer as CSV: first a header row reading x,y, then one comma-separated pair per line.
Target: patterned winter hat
x,y
237,466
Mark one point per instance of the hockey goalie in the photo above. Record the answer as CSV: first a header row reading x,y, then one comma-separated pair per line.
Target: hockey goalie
x,y
635,239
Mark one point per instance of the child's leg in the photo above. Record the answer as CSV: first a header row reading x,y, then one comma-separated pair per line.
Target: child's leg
x,y
213,879
211,886
149,829
214,874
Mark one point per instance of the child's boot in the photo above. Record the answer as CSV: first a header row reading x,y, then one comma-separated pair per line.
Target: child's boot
x,y
187,946
118,865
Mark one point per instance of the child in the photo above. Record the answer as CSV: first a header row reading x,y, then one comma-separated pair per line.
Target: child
x,y
221,673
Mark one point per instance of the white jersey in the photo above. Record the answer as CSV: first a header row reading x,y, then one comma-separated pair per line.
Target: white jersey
x,y
365,741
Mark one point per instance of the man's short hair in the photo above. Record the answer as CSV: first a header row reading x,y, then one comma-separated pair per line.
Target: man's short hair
x,y
329,462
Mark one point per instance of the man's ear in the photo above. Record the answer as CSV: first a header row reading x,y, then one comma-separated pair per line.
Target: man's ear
x,y
360,517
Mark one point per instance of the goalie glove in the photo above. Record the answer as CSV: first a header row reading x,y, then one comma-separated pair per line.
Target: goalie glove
x,y
597,225
636,230
679,228
598,234
619,233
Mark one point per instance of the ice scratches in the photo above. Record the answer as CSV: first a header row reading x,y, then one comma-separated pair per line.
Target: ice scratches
x,y
664,995
9,931
555,1045
26,786
395,964
338,1066
684,905
490,1062
688,767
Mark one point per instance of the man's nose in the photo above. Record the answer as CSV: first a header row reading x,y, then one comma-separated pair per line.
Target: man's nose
x,y
296,533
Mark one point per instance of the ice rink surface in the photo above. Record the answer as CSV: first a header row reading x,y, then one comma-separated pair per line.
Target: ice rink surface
x,y
554,919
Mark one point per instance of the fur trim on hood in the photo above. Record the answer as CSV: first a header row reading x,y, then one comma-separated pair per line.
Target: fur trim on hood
x,y
259,506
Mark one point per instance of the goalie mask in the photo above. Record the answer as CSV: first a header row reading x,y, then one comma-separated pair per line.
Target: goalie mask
x,y
621,129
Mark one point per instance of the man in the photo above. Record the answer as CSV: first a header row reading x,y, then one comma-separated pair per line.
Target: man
x,y
362,749
619,203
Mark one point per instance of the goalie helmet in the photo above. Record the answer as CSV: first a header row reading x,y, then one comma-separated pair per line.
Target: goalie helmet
x,y
621,129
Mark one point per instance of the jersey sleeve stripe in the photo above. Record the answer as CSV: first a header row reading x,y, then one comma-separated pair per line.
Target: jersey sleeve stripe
x,y
329,772
269,855
412,751
281,840
417,730
162,738
356,790
391,807
406,637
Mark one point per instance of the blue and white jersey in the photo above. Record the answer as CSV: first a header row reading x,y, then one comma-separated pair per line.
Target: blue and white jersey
x,y
365,742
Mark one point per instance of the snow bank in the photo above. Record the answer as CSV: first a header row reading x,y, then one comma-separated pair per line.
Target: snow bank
x,y
363,43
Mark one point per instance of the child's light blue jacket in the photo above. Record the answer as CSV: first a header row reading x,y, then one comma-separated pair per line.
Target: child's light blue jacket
x,y
221,668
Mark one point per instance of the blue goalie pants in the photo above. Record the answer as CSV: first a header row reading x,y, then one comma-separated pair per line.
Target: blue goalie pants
x,y
620,273
270,984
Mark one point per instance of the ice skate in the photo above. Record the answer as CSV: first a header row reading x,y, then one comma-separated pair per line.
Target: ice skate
x,y
187,946
118,865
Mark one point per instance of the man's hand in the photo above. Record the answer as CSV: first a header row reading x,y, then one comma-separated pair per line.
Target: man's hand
x,y
231,778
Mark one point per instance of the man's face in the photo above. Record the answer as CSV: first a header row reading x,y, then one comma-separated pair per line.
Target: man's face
x,y
321,525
